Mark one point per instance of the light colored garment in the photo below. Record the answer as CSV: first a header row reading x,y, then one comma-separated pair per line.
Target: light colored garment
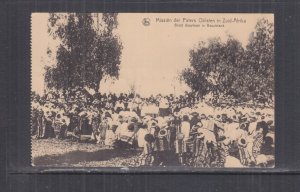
x,y
252,127
163,103
121,129
127,136
136,103
110,137
185,129
231,162
149,109
208,124
208,135
141,137
109,122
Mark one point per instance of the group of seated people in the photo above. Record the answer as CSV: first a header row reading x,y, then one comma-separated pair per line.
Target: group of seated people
x,y
168,131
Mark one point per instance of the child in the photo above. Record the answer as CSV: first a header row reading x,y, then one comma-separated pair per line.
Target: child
x,y
146,158
110,136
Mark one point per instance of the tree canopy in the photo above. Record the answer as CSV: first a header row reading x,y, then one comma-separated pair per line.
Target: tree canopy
x,y
227,68
88,50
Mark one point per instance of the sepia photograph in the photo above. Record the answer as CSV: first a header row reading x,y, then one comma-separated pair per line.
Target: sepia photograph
x,y
152,90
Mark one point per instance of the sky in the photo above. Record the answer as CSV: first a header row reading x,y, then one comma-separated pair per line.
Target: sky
x,y
153,55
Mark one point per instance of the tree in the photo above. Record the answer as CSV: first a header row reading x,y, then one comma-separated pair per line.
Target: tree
x,y
213,66
229,69
88,51
260,60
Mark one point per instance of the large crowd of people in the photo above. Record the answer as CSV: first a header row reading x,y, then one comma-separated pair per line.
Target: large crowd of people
x,y
169,130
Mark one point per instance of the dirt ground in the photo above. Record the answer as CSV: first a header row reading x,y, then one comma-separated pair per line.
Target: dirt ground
x,y
66,153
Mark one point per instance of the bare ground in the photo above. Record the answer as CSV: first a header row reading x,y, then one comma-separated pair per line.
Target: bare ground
x,y
66,153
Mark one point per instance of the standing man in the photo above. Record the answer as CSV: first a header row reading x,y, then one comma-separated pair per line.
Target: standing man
x,y
164,107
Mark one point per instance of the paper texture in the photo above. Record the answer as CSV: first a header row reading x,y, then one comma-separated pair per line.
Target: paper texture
x,y
153,89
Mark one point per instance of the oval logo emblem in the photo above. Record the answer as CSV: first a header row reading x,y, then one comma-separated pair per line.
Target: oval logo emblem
x,y
146,21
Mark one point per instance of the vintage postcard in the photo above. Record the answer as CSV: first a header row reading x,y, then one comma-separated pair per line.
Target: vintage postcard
x,y
152,89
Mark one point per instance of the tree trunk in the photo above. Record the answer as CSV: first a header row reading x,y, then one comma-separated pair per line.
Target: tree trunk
x,y
97,87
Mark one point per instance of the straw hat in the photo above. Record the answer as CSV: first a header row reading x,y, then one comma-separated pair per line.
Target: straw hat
x,y
242,142
162,133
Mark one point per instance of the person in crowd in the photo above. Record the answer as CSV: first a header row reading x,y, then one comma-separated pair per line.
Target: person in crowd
x,y
110,136
185,130
172,127
206,144
136,102
119,106
84,123
95,122
161,147
147,157
41,125
126,136
222,136
141,133
163,106
195,119
34,115
263,125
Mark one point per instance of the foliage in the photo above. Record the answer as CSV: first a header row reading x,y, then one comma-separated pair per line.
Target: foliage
x,y
86,54
231,70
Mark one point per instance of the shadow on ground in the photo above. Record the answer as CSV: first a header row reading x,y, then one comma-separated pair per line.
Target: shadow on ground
x,y
75,157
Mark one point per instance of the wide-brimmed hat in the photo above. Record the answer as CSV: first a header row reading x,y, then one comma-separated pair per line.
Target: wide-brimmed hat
x,y
218,117
202,116
153,119
243,126
162,133
176,114
242,142
153,124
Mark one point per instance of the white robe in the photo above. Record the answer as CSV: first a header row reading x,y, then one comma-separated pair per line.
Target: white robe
x,y
110,137
185,129
141,137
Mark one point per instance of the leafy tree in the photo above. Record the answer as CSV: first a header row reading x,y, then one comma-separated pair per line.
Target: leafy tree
x,y
213,66
229,69
88,51
260,60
